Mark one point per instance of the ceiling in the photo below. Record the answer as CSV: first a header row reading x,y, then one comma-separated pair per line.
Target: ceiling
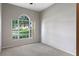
x,y
35,6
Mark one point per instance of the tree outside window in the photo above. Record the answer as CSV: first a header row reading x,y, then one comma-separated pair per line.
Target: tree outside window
x,y
21,28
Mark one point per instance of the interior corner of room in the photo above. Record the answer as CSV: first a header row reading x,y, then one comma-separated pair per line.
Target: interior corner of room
x,y
53,29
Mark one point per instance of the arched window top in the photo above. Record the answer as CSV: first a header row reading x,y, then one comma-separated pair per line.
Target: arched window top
x,y
21,27
23,18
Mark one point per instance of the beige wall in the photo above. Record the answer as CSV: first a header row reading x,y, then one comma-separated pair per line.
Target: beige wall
x,y
59,27
0,27
10,12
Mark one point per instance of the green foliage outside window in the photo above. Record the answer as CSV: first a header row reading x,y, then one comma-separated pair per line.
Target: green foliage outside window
x,y
21,28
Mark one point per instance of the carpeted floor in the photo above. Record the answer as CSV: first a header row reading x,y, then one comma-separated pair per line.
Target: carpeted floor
x,y
37,49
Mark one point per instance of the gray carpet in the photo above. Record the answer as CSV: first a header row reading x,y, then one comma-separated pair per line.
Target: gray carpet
x,y
37,49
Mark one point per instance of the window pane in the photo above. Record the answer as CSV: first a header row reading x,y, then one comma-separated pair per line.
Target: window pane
x,y
15,29
24,18
30,28
23,33
24,27
14,24
15,34
21,28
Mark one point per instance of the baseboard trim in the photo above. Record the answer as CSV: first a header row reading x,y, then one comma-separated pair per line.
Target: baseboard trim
x,y
19,45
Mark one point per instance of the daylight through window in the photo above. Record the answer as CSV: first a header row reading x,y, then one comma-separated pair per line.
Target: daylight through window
x,y
21,28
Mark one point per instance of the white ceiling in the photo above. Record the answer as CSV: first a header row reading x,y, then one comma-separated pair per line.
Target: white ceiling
x,y
36,6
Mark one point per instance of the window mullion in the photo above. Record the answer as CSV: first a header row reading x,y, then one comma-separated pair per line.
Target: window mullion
x,y
29,28
18,28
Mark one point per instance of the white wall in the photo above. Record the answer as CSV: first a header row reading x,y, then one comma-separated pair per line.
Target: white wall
x,y
59,27
0,27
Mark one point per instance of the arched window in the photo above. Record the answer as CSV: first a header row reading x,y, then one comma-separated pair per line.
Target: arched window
x,y
21,28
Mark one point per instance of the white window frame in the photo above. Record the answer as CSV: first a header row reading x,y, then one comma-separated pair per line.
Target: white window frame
x,y
18,27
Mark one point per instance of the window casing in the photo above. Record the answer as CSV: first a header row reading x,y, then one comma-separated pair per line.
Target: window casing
x,y
21,28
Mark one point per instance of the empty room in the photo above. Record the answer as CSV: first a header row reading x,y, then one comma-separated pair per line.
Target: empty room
x,y
37,29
